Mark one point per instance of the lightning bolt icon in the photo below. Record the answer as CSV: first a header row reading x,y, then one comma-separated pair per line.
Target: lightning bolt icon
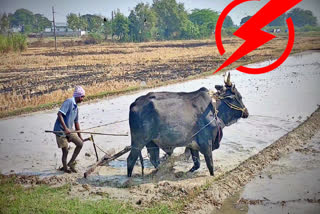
x,y
251,30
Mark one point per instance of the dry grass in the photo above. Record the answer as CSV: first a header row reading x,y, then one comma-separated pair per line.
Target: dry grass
x,y
40,75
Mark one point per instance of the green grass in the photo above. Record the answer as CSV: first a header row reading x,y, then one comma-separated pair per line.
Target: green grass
x,y
13,42
15,198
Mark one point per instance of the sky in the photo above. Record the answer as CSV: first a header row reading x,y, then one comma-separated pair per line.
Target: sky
x,y
104,7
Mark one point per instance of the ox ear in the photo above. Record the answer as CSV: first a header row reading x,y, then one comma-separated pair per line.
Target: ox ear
x,y
227,81
218,87
233,88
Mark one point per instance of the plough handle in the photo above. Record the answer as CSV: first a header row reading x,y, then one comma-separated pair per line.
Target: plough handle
x,y
84,132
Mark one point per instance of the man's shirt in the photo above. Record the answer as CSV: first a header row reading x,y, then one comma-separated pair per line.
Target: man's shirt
x,y
69,111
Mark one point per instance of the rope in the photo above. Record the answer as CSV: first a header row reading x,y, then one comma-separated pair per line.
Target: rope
x,y
234,106
100,148
107,124
202,128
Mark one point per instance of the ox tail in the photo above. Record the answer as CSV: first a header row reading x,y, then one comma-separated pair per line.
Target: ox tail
x,y
134,118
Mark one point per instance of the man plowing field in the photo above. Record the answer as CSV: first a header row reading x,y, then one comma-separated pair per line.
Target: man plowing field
x,y
67,116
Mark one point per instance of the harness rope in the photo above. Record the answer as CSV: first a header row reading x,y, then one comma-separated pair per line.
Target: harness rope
x,y
107,124
231,105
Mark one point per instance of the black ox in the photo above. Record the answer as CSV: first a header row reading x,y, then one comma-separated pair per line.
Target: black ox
x,y
193,120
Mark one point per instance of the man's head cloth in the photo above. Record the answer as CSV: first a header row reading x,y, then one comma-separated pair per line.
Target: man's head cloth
x,y
79,92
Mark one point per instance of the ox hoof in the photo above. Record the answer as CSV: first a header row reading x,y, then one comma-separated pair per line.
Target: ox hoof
x,y
193,169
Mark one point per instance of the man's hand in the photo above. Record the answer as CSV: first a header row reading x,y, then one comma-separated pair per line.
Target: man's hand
x,y
77,125
67,131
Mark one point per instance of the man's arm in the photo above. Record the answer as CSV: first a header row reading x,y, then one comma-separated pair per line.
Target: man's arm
x,y
77,126
60,118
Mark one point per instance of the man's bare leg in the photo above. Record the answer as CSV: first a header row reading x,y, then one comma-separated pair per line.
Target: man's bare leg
x,y
64,159
73,158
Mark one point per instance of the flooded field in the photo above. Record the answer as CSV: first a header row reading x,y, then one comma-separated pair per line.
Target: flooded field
x,y
277,102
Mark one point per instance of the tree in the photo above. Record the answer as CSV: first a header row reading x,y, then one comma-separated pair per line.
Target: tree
x,y
228,22
244,20
280,21
28,21
4,23
94,22
171,17
22,18
134,28
106,28
82,23
186,26
40,23
190,31
206,19
302,17
142,23
73,21
120,26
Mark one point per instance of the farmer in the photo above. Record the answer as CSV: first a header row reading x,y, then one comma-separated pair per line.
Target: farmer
x,y
67,115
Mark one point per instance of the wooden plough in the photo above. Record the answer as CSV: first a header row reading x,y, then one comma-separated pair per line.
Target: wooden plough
x,y
106,159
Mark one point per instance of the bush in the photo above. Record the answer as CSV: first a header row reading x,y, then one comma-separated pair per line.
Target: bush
x,y
13,42
94,38
228,31
308,28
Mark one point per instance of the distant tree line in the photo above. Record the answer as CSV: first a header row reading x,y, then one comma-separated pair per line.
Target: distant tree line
x,y
300,18
163,20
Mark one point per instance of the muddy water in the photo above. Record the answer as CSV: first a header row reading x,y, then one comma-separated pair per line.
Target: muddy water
x,y
289,185
277,101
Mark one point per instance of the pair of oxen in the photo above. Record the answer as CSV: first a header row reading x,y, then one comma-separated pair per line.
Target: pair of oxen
x,y
193,120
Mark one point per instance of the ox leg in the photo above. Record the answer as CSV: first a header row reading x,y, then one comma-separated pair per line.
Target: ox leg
x,y
142,164
154,153
132,158
196,160
209,161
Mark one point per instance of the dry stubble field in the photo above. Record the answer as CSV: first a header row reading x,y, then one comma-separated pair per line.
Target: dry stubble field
x,y
42,77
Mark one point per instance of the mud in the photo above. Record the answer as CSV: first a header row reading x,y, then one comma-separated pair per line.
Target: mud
x,y
278,102
233,181
289,185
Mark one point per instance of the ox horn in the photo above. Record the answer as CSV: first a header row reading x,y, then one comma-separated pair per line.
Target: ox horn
x,y
227,79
